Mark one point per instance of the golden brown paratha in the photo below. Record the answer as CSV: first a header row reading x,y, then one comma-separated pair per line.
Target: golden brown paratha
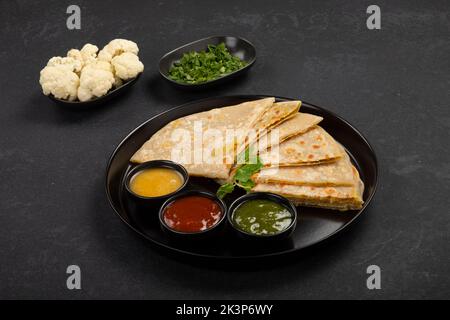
x,y
339,197
315,146
337,173
277,113
292,126
176,139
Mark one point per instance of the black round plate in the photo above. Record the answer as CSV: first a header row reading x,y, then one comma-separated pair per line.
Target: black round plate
x,y
239,47
313,226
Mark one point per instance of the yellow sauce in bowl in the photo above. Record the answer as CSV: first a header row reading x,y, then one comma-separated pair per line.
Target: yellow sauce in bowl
x,y
156,182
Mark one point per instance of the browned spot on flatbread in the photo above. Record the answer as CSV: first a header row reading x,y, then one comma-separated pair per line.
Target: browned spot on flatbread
x,y
290,151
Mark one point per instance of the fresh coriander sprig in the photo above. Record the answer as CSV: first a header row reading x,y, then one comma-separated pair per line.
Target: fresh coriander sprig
x,y
242,177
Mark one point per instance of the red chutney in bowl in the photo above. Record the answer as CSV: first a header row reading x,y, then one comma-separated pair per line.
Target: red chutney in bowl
x,y
192,214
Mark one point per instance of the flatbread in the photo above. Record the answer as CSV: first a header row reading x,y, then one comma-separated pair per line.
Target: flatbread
x,y
337,173
337,198
177,138
287,128
276,113
315,146
297,124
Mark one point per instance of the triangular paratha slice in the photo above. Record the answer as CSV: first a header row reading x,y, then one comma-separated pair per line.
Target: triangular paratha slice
x,y
337,173
277,113
339,198
297,124
294,125
211,156
315,146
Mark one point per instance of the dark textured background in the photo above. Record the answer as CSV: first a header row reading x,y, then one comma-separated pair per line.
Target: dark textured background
x,y
392,84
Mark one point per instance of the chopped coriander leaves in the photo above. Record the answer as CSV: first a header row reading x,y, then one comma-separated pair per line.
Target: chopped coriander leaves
x,y
204,66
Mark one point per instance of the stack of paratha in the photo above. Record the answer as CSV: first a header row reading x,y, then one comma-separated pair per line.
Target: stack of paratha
x,y
304,163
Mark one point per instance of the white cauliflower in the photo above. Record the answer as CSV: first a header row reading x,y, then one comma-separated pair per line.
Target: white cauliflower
x,y
108,67
60,81
86,55
89,53
102,65
117,47
71,63
127,65
85,75
96,80
75,54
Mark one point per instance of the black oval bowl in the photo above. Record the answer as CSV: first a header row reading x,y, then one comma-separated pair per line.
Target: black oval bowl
x,y
201,235
153,203
239,47
267,196
81,105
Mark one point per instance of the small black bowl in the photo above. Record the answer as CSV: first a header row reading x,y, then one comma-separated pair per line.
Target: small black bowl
x,y
267,196
82,105
151,203
201,235
239,47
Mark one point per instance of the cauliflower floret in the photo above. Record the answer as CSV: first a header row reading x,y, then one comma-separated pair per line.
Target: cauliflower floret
x,y
60,81
127,65
108,67
117,47
71,63
96,80
75,54
102,65
86,55
89,53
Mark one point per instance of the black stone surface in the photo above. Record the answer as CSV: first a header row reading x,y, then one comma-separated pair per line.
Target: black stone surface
x,y
392,84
